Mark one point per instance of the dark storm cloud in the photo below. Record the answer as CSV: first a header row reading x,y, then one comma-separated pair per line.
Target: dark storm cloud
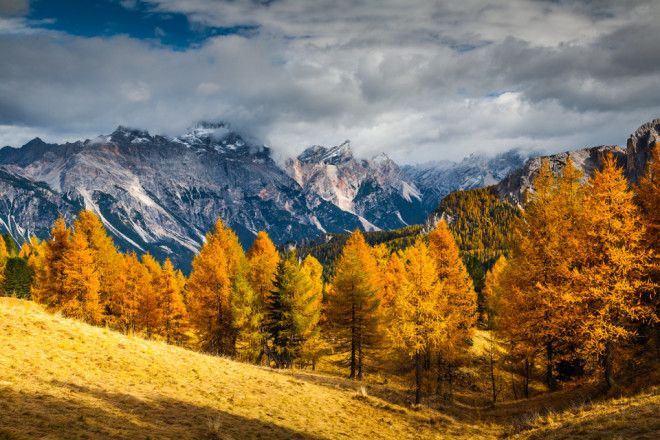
x,y
418,79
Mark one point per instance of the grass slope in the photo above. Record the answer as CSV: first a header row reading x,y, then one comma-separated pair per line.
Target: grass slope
x,y
63,379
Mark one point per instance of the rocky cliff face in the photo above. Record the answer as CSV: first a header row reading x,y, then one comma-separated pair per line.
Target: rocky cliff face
x,y
632,159
437,179
639,148
514,186
374,190
160,194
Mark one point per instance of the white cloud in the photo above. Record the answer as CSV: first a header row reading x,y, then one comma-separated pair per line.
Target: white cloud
x,y
420,80
135,91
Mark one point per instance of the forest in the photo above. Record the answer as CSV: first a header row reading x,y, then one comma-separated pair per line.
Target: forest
x,y
570,290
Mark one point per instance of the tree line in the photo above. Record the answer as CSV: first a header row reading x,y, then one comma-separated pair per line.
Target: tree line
x,y
578,293
579,284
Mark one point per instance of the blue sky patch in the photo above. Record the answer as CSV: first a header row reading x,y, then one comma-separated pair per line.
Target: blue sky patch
x,y
105,18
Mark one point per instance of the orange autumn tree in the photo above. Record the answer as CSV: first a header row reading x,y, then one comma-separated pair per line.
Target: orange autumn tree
x,y
150,314
309,310
648,197
648,194
222,303
263,260
136,292
107,260
49,275
354,298
419,310
458,291
491,289
79,296
3,259
613,277
539,295
174,321
209,293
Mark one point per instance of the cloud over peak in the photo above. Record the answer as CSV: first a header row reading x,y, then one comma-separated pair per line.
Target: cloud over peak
x,y
419,80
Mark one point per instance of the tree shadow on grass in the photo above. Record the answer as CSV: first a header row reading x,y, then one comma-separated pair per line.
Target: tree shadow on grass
x,y
79,412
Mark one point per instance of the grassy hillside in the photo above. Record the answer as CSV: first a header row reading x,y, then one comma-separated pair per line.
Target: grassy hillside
x,y
63,379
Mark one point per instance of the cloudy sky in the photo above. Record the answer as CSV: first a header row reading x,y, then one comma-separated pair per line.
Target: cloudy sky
x,y
420,80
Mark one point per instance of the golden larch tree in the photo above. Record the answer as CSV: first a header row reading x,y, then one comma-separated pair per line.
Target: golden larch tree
x,y
174,322
79,297
3,259
491,289
419,310
222,302
354,298
106,260
136,288
546,250
613,276
263,260
49,275
458,291
150,313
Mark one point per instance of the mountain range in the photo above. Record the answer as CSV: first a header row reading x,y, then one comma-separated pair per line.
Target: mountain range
x,y
161,194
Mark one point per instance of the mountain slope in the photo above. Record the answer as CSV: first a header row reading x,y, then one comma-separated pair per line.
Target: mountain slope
x,y
161,194
375,190
632,159
437,179
61,378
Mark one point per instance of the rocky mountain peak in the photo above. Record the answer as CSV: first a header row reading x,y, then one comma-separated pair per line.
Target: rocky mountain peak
x,y
128,134
639,148
333,155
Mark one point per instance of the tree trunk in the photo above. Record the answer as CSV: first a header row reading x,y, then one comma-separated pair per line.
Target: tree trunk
x,y
359,373
607,365
353,347
528,368
418,378
549,376
438,389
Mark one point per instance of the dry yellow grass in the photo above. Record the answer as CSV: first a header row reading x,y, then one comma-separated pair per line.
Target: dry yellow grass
x,y
63,379
624,418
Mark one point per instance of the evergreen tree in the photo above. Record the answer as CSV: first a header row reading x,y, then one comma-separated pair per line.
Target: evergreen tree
x,y
17,278
294,309
10,245
354,298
